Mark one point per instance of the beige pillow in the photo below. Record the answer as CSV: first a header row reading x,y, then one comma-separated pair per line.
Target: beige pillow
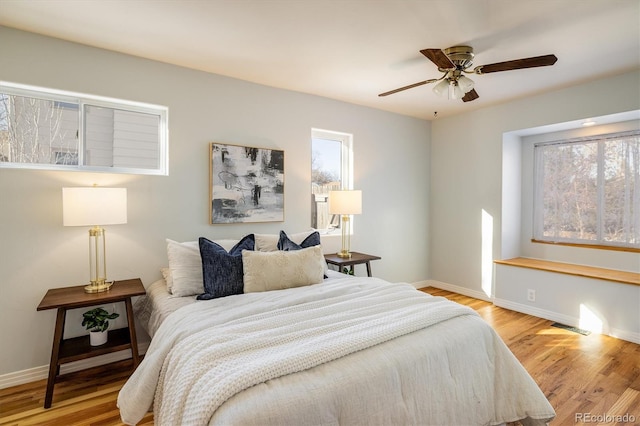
x,y
166,274
277,270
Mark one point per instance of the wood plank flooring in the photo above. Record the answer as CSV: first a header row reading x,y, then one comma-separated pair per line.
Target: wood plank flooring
x,y
580,375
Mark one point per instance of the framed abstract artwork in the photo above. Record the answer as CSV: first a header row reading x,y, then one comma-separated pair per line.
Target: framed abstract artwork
x,y
246,184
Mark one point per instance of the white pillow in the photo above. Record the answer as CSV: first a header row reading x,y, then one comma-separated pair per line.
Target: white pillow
x,y
277,270
185,265
269,242
186,268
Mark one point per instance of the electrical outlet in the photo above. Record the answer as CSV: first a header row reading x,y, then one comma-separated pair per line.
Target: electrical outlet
x,y
531,295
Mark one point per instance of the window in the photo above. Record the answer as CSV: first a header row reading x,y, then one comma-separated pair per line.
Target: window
x,y
50,129
331,169
588,190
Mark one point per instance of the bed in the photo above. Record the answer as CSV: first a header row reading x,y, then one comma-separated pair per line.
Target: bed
x,y
344,350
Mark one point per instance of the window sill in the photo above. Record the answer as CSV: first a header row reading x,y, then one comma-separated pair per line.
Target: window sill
x,y
624,277
591,246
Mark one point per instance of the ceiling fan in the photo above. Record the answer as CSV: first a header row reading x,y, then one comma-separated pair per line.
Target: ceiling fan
x,y
456,60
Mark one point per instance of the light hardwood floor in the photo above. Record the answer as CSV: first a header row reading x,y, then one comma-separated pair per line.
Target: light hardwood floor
x,y
594,374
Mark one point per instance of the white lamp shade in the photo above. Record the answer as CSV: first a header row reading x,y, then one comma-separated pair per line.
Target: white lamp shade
x,y
345,202
465,83
455,92
441,88
94,206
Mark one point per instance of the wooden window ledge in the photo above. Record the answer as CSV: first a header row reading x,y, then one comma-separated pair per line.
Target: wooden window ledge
x,y
625,277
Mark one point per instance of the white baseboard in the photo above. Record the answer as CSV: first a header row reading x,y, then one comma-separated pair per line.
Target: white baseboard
x,y
455,289
563,319
625,335
420,284
38,373
537,312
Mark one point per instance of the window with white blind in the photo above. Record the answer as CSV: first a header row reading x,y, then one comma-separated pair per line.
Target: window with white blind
x,y
587,191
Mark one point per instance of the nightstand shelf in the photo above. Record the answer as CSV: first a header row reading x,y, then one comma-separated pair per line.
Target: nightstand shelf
x,y
73,349
78,348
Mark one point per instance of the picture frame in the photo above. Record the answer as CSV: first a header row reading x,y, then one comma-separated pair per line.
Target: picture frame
x,y
246,184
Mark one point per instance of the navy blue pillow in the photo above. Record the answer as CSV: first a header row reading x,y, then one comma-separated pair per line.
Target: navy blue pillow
x,y
222,270
284,243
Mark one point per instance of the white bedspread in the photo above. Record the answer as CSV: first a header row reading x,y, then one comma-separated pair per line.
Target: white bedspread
x,y
211,352
152,308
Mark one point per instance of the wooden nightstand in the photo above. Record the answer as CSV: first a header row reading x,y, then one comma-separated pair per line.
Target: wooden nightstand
x,y
355,259
77,348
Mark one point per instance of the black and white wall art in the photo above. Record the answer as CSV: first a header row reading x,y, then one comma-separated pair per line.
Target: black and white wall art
x,y
246,184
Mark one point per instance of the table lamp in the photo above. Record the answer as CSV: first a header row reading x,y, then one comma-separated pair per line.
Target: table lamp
x,y
95,206
345,203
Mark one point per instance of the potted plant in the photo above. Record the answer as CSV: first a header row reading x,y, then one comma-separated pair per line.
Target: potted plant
x,y
97,321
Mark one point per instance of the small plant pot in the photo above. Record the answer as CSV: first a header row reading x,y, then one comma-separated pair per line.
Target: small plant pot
x,y
98,338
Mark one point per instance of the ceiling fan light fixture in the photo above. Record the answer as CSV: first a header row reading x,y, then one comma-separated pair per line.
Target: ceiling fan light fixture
x,y
455,92
441,88
465,83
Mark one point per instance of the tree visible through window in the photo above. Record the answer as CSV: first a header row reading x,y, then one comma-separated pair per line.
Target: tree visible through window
x,y
588,190
50,129
38,130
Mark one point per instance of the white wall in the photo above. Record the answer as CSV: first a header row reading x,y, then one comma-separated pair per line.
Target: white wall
x,y
467,177
391,161
596,305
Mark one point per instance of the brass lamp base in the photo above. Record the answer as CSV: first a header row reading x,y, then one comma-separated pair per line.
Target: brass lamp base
x,y
346,238
98,287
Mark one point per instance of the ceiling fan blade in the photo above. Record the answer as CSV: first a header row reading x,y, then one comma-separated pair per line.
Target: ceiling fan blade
x,y
438,57
411,86
470,96
537,61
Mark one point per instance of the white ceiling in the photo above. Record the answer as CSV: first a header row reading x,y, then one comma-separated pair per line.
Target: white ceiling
x,y
351,50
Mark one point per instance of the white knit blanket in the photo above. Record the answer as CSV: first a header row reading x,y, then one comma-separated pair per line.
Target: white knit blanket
x,y
205,353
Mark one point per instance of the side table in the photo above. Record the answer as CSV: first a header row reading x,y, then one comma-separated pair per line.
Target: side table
x,y
355,259
77,348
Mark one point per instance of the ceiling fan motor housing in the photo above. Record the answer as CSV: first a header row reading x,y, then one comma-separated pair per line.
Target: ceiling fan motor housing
x,y
461,56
